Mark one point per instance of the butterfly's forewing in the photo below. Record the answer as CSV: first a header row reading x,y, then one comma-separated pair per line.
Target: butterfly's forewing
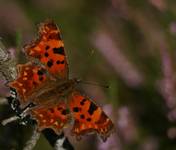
x,y
88,117
54,117
49,49
30,77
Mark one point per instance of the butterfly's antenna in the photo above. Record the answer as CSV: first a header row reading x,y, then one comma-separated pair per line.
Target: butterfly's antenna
x,y
92,83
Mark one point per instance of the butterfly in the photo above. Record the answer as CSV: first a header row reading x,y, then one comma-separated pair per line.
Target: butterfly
x,y
46,93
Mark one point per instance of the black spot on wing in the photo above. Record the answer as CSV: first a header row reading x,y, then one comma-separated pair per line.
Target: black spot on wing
x,y
64,112
60,62
40,72
83,102
82,116
88,119
76,109
59,50
46,54
50,63
92,108
47,47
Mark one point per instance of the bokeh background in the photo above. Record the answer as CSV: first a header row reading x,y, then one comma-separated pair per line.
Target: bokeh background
x,y
129,45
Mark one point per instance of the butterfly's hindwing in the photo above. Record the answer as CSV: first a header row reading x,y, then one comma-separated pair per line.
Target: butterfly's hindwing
x,y
88,117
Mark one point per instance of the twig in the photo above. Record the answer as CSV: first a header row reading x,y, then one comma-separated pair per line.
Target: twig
x,y
9,120
7,64
33,140
59,142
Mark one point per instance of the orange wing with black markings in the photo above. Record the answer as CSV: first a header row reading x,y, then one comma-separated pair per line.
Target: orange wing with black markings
x,y
54,117
30,77
88,117
49,49
42,84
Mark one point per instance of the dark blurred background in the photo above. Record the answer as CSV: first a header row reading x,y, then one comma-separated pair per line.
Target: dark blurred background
x,y
129,45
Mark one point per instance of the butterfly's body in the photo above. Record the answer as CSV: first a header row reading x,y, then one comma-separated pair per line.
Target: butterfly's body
x,y
46,85
53,92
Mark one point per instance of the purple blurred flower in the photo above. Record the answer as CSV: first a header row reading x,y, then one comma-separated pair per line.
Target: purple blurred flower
x,y
168,83
126,125
114,56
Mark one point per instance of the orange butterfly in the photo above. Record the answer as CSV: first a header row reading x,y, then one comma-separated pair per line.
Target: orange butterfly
x,y
44,82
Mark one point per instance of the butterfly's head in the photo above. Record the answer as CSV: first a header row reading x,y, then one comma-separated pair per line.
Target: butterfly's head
x,y
75,81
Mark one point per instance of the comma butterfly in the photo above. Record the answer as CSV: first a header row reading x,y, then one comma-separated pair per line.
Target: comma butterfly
x,y
44,82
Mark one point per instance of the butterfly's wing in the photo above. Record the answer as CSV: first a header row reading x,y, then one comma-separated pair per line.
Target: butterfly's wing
x,y
49,49
30,77
52,116
88,117
45,112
